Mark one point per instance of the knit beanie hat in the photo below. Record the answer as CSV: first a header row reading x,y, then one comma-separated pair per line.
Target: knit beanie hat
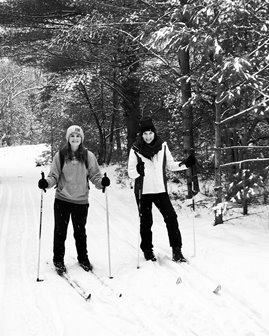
x,y
74,129
146,124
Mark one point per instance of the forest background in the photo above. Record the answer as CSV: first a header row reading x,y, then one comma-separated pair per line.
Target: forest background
x,y
200,69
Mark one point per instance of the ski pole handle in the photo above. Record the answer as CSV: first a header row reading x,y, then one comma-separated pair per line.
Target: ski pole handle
x,y
43,178
106,182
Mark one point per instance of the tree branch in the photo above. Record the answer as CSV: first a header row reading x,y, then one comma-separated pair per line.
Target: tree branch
x,y
243,112
243,161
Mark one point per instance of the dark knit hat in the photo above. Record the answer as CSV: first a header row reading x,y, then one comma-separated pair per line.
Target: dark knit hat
x,y
146,124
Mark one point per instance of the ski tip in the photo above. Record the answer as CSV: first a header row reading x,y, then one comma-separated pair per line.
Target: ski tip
x,y
88,297
217,290
179,281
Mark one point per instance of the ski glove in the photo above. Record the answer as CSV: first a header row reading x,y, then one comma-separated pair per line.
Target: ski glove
x,y
140,167
190,161
43,184
105,181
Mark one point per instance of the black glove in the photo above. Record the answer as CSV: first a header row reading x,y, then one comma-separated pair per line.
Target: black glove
x,y
43,184
105,181
190,161
140,167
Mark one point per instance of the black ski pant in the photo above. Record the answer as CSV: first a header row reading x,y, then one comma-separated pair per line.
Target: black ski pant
x,y
62,213
163,203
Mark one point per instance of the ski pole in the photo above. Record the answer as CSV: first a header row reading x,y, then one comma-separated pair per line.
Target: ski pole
x,y
40,231
108,233
193,227
140,191
140,215
193,209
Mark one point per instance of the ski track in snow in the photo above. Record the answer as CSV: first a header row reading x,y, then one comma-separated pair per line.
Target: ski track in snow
x,y
153,302
22,295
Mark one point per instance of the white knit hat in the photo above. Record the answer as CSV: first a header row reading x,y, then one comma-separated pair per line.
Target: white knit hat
x,y
74,129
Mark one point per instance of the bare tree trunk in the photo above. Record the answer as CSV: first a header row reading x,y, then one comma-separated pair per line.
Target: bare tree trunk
x,y
118,138
245,175
98,125
115,100
131,106
187,115
218,187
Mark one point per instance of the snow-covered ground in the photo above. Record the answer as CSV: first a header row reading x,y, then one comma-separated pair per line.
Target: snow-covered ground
x,y
160,298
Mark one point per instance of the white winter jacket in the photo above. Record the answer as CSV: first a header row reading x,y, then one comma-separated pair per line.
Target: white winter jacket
x,y
154,179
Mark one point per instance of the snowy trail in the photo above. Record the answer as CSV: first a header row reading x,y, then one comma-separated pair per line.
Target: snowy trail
x,y
21,297
224,304
153,303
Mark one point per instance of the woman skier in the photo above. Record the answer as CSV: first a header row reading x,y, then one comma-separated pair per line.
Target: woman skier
x,y
148,159
70,171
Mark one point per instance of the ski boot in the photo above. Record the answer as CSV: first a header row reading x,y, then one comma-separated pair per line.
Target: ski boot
x,y
86,265
149,255
59,267
177,255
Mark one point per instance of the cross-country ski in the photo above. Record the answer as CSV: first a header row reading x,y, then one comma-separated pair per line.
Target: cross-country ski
x,y
86,296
